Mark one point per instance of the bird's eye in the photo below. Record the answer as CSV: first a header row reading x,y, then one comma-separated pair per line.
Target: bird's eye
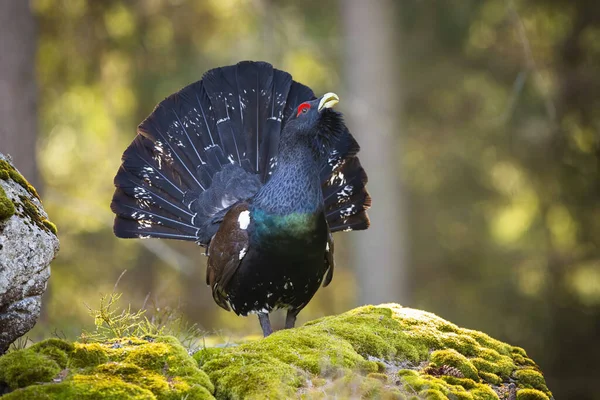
x,y
303,109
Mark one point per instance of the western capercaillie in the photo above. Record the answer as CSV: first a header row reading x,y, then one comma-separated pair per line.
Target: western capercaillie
x,y
248,163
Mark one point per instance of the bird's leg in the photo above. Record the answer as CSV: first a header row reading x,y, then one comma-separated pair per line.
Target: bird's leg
x,y
265,324
290,319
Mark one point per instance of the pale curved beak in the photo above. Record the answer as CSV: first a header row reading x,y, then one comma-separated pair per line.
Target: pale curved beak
x,y
328,100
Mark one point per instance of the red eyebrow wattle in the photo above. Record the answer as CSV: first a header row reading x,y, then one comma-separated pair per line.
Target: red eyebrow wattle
x,y
302,107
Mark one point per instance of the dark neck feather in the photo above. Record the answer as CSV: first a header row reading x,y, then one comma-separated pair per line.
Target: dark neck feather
x,y
295,186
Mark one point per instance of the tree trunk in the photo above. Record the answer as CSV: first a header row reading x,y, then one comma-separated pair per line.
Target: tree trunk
x,y
18,90
373,107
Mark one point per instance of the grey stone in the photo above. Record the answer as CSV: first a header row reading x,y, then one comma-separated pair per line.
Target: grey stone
x,y
26,250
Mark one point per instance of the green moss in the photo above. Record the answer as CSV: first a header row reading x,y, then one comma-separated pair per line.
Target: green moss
x,y
407,372
373,331
531,394
465,383
206,354
287,357
24,207
420,383
529,378
51,226
248,375
157,368
432,394
83,388
454,359
28,209
370,388
518,350
88,355
7,208
483,392
490,378
26,367
8,171
53,343
347,384
379,376
55,349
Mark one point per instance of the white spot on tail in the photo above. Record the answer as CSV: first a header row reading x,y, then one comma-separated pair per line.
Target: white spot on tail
x,y
243,252
244,219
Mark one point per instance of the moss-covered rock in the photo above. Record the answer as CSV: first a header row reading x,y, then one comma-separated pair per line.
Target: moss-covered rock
x,y
23,207
372,352
132,368
28,243
382,351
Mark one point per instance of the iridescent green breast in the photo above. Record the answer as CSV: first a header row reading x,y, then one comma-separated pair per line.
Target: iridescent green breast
x,y
294,225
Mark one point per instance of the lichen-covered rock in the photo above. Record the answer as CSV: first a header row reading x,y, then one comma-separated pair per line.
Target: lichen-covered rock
x,y
28,243
386,352
372,352
154,368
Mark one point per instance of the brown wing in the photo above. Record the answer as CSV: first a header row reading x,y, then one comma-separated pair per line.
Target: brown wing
x,y
226,250
329,259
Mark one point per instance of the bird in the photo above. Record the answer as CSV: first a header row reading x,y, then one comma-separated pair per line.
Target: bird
x,y
252,166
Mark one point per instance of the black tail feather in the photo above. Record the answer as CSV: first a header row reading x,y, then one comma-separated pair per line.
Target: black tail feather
x,y
130,229
132,187
344,187
166,185
355,222
128,207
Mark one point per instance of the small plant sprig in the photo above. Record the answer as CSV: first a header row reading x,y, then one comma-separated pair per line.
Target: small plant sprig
x,y
113,322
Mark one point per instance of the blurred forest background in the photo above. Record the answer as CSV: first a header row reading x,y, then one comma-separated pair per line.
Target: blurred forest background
x,y
479,123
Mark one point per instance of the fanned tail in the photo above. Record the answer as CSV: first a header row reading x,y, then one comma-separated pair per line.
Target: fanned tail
x,y
344,187
201,150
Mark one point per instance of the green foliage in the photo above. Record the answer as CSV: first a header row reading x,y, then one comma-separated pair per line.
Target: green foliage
x,y
114,322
